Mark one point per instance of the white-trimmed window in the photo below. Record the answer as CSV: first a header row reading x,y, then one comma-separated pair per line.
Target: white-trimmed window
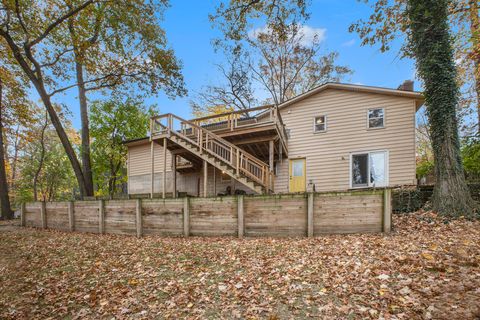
x,y
369,169
376,118
320,124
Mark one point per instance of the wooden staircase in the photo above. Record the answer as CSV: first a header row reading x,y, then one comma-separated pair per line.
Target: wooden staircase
x,y
223,155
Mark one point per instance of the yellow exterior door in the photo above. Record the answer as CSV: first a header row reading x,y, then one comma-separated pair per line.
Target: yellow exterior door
x,y
297,175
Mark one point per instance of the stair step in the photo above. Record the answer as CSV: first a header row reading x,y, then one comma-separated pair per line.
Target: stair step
x,y
218,163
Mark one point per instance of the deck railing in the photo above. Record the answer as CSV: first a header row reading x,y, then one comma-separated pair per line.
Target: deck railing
x,y
245,118
206,141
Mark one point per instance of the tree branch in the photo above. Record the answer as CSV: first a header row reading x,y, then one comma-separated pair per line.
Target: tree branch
x,y
58,21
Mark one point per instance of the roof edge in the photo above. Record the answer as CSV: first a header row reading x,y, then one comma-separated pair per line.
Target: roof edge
x,y
135,142
353,87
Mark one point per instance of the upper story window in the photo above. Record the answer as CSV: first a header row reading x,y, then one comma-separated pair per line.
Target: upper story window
x,y
376,118
320,124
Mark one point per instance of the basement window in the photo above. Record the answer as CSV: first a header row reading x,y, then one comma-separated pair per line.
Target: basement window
x,y
369,169
376,118
320,124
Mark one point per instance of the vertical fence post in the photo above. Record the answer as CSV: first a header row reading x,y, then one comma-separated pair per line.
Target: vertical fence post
x,y
22,214
71,217
101,217
186,217
138,215
387,210
310,214
43,214
240,217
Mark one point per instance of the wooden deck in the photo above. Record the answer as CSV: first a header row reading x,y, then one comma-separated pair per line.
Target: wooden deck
x,y
243,144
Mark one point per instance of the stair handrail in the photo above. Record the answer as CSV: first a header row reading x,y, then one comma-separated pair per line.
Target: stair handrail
x,y
243,158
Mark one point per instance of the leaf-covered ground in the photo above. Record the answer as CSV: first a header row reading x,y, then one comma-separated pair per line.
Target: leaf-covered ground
x,y
425,269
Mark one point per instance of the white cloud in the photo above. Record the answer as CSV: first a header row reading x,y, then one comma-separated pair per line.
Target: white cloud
x,y
308,34
348,43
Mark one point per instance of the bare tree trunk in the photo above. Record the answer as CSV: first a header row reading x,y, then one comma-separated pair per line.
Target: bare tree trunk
x,y
112,181
36,78
42,158
62,135
15,158
85,150
475,30
431,44
82,97
6,209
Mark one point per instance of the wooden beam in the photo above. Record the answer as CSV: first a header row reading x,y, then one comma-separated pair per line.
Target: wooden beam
x,y
257,128
101,217
152,168
205,178
22,214
310,215
214,182
164,177
186,217
387,210
280,151
138,217
271,152
174,169
71,215
43,214
253,140
240,216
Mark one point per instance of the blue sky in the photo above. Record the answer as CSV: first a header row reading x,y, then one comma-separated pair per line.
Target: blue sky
x,y
190,33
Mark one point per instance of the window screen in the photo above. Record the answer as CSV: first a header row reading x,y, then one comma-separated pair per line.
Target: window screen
x,y
369,169
359,170
376,118
320,124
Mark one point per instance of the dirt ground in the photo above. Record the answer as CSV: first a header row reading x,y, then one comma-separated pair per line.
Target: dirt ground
x,y
425,269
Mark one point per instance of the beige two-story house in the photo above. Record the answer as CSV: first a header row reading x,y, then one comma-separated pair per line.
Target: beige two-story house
x,y
335,137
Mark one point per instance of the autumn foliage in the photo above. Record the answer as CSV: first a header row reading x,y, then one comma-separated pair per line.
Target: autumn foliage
x,y
426,269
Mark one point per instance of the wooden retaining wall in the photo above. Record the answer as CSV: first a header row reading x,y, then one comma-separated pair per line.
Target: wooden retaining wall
x,y
294,215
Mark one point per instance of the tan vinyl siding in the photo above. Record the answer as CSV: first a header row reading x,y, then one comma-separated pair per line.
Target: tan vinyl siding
x,y
140,160
139,173
220,186
328,153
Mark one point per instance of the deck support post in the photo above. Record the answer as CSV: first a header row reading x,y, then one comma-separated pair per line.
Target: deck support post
x,y
174,173
152,167
138,217
43,214
71,217
164,175
280,151
22,214
205,177
186,217
310,214
271,150
214,181
240,217
387,210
